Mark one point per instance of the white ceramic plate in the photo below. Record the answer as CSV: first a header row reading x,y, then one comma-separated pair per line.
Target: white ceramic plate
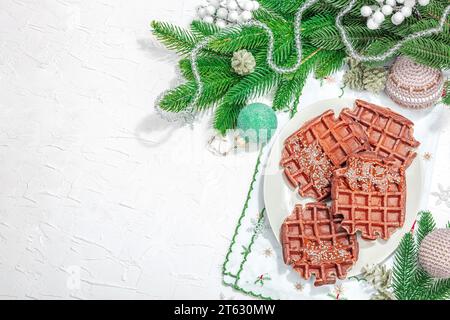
x,y
280,198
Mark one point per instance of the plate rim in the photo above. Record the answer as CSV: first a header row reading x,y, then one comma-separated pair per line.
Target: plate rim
x,y
348,102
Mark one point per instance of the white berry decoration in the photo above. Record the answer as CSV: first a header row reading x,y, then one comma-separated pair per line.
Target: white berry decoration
x,y
372,25
211,10
387,10
231,4
208,19
246,15
222,13
366,11
233,16
399,9
406,11
397,18
378,17
227,12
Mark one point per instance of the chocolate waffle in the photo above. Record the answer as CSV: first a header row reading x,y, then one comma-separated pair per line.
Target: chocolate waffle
x,y
390,134
315,244
370,196
320,146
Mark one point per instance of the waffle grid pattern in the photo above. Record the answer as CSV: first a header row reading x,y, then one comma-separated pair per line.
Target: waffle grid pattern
x,y
390,134
314,223
338,138
359,213
375,214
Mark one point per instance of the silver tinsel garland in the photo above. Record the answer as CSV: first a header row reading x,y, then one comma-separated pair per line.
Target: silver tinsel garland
x,y
170,116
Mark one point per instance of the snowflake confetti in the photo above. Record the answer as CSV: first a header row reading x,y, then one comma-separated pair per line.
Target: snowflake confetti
x,y
299,287
268,252
443,196
427,156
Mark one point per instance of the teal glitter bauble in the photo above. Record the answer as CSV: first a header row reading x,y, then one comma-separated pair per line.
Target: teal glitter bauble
x,y
257,122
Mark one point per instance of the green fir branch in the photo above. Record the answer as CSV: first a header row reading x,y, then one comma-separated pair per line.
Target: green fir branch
x,y
202,29
178,99
429,52
292,85
226,115
230,92
426,226
329,37
404,268
210,67
421,284
329,63
440,290
173,37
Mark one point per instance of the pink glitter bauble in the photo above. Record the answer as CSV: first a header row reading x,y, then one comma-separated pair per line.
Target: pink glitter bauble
x,y
414,85
434,253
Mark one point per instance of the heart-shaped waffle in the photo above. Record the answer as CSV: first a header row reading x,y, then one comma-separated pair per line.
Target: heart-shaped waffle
x,y
320,146
390,134
315,244
369,195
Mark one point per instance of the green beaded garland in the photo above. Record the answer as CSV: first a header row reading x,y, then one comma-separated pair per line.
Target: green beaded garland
x,y
256,121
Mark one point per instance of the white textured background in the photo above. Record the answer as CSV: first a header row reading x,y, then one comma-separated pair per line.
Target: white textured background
x,y
99,198
84,188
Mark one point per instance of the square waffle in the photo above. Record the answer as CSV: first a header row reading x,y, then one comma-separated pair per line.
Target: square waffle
x,y
370,196
390,134
320,146
315,244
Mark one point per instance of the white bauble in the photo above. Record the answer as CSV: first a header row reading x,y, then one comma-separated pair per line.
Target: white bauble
x,y
222,13
372,25
233,16
387,10
400,1
201,12
366,11
406,11
410,3
256,5
246,15
208,19
221,23
232,5
391,3
424,2
378,17
211,10
397,18
214,3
